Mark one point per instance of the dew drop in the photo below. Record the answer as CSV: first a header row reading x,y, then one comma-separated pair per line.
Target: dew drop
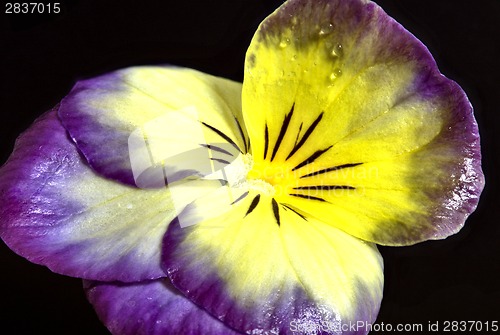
x,y
284,43
337,51
335,74
327,29
294,58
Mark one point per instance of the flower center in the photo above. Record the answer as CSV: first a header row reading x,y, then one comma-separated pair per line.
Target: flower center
x,y
270,179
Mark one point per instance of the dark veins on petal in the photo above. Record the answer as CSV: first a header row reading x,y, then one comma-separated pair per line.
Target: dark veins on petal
x,y
312,158
325,187
293,210
224,136
306,135
216,148
241,197
283,130
333,168
223,161
266,141
296,139
245,143
305,196
275,207
254,204
276,211
298,144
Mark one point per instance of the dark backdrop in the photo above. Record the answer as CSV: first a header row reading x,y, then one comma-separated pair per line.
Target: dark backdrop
x,y
43,55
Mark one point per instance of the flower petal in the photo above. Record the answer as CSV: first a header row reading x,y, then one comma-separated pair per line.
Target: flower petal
x,y
144,115
263,268
352,109
151,308
57,212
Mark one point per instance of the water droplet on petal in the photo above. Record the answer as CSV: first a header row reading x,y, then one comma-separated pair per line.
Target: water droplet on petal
x,y
294,58
325,30
284,43
337,51
335,74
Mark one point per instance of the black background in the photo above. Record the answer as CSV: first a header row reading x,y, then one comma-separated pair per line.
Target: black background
x,y
43,55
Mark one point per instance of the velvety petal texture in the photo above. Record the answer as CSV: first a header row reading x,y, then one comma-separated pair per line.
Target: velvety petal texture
x,y
351,120
150,308
57,212
264,267
141,125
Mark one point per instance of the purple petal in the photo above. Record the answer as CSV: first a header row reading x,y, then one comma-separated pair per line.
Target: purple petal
x,y
150,308
57,212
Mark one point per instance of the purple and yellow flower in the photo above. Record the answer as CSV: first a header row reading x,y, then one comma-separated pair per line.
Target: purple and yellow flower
x,y
192,204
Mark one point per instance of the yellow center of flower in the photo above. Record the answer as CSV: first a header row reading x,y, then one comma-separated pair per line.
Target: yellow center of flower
x,y
271,178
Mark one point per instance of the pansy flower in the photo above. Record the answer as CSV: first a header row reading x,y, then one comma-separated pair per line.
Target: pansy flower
x,y
192,204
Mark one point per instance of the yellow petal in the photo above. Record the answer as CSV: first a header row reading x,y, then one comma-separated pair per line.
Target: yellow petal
x,y
351,121
262,267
